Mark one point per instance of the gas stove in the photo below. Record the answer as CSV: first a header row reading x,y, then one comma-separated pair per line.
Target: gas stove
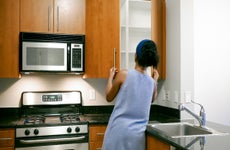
x,y
51,118
41,120
39,125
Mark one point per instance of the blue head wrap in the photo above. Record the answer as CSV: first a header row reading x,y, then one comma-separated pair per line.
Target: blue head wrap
x,y
140,45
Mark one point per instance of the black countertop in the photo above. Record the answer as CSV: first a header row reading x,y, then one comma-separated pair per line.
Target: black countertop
x,y
9,119
95,118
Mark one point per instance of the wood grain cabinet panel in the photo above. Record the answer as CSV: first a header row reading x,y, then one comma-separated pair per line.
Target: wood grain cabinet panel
x,y
7,139
53,16
155,144
96,136
159,33
102,37
9,38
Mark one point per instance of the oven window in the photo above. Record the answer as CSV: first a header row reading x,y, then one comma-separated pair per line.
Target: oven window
x,y
45,56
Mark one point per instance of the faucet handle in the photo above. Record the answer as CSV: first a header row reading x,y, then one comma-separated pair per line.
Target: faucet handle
x,y
203,117
181,107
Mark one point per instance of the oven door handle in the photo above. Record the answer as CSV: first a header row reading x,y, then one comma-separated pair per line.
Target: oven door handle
x,y
52,140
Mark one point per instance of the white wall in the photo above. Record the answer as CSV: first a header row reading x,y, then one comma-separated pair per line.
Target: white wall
x,y
179,81
212,63
198,56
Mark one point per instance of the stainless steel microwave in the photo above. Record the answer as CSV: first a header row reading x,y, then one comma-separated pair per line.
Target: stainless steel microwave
x,y
51,52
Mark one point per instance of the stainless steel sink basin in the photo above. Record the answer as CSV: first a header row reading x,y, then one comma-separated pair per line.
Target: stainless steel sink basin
x,y
177,130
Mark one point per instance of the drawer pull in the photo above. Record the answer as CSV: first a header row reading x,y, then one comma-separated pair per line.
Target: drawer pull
x,y
100,134
5,139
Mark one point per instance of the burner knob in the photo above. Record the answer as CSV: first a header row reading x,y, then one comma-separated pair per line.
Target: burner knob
x,y
69,130
27,132
36,131
77,129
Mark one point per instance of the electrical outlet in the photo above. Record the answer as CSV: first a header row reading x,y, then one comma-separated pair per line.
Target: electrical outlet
x,y
167,95
176,97
92,94
163,95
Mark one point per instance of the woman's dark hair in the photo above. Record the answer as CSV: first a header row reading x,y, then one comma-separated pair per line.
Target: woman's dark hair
x,y
147,54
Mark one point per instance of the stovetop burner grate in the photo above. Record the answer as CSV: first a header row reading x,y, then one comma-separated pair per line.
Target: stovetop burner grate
x,y
34,119
69,118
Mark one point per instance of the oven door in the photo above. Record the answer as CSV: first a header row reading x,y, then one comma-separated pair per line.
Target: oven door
x,y
79,142
43,56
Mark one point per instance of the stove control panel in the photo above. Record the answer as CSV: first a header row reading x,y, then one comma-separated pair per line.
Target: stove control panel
x,y
52,130
51,98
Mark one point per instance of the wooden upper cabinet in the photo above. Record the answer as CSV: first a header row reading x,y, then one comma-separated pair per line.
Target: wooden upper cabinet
x,y
102,37
70,16
9,38
159,33
53,16
36,16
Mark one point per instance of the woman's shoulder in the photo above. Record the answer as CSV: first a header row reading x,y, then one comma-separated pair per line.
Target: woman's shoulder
x,y
121,75
123,71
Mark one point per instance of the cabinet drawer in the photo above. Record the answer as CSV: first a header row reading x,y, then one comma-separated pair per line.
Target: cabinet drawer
x,y
96,136
96,145
97,132
7,137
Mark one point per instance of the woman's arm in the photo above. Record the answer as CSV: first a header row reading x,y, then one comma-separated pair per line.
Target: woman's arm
x,y
114,83
155,77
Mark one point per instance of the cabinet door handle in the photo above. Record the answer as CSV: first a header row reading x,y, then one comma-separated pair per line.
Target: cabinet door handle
x,y
57,18
114,57
49,18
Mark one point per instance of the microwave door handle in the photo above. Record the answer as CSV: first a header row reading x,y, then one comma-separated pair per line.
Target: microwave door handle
x,y
69,57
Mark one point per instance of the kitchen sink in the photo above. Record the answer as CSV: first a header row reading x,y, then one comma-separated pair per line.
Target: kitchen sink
x,y
183,129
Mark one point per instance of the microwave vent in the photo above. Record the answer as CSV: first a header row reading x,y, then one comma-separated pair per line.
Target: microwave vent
x,y
42,37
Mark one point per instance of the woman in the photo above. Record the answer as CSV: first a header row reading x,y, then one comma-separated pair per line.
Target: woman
x,y
135,90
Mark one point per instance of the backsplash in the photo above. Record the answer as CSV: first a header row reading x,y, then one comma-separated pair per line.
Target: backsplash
x,y
11,89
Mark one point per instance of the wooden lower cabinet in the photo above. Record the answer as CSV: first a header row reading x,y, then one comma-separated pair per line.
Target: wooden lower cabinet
x,y
96,136
153,143
7,138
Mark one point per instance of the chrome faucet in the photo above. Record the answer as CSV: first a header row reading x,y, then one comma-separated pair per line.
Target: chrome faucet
x,y
201,118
